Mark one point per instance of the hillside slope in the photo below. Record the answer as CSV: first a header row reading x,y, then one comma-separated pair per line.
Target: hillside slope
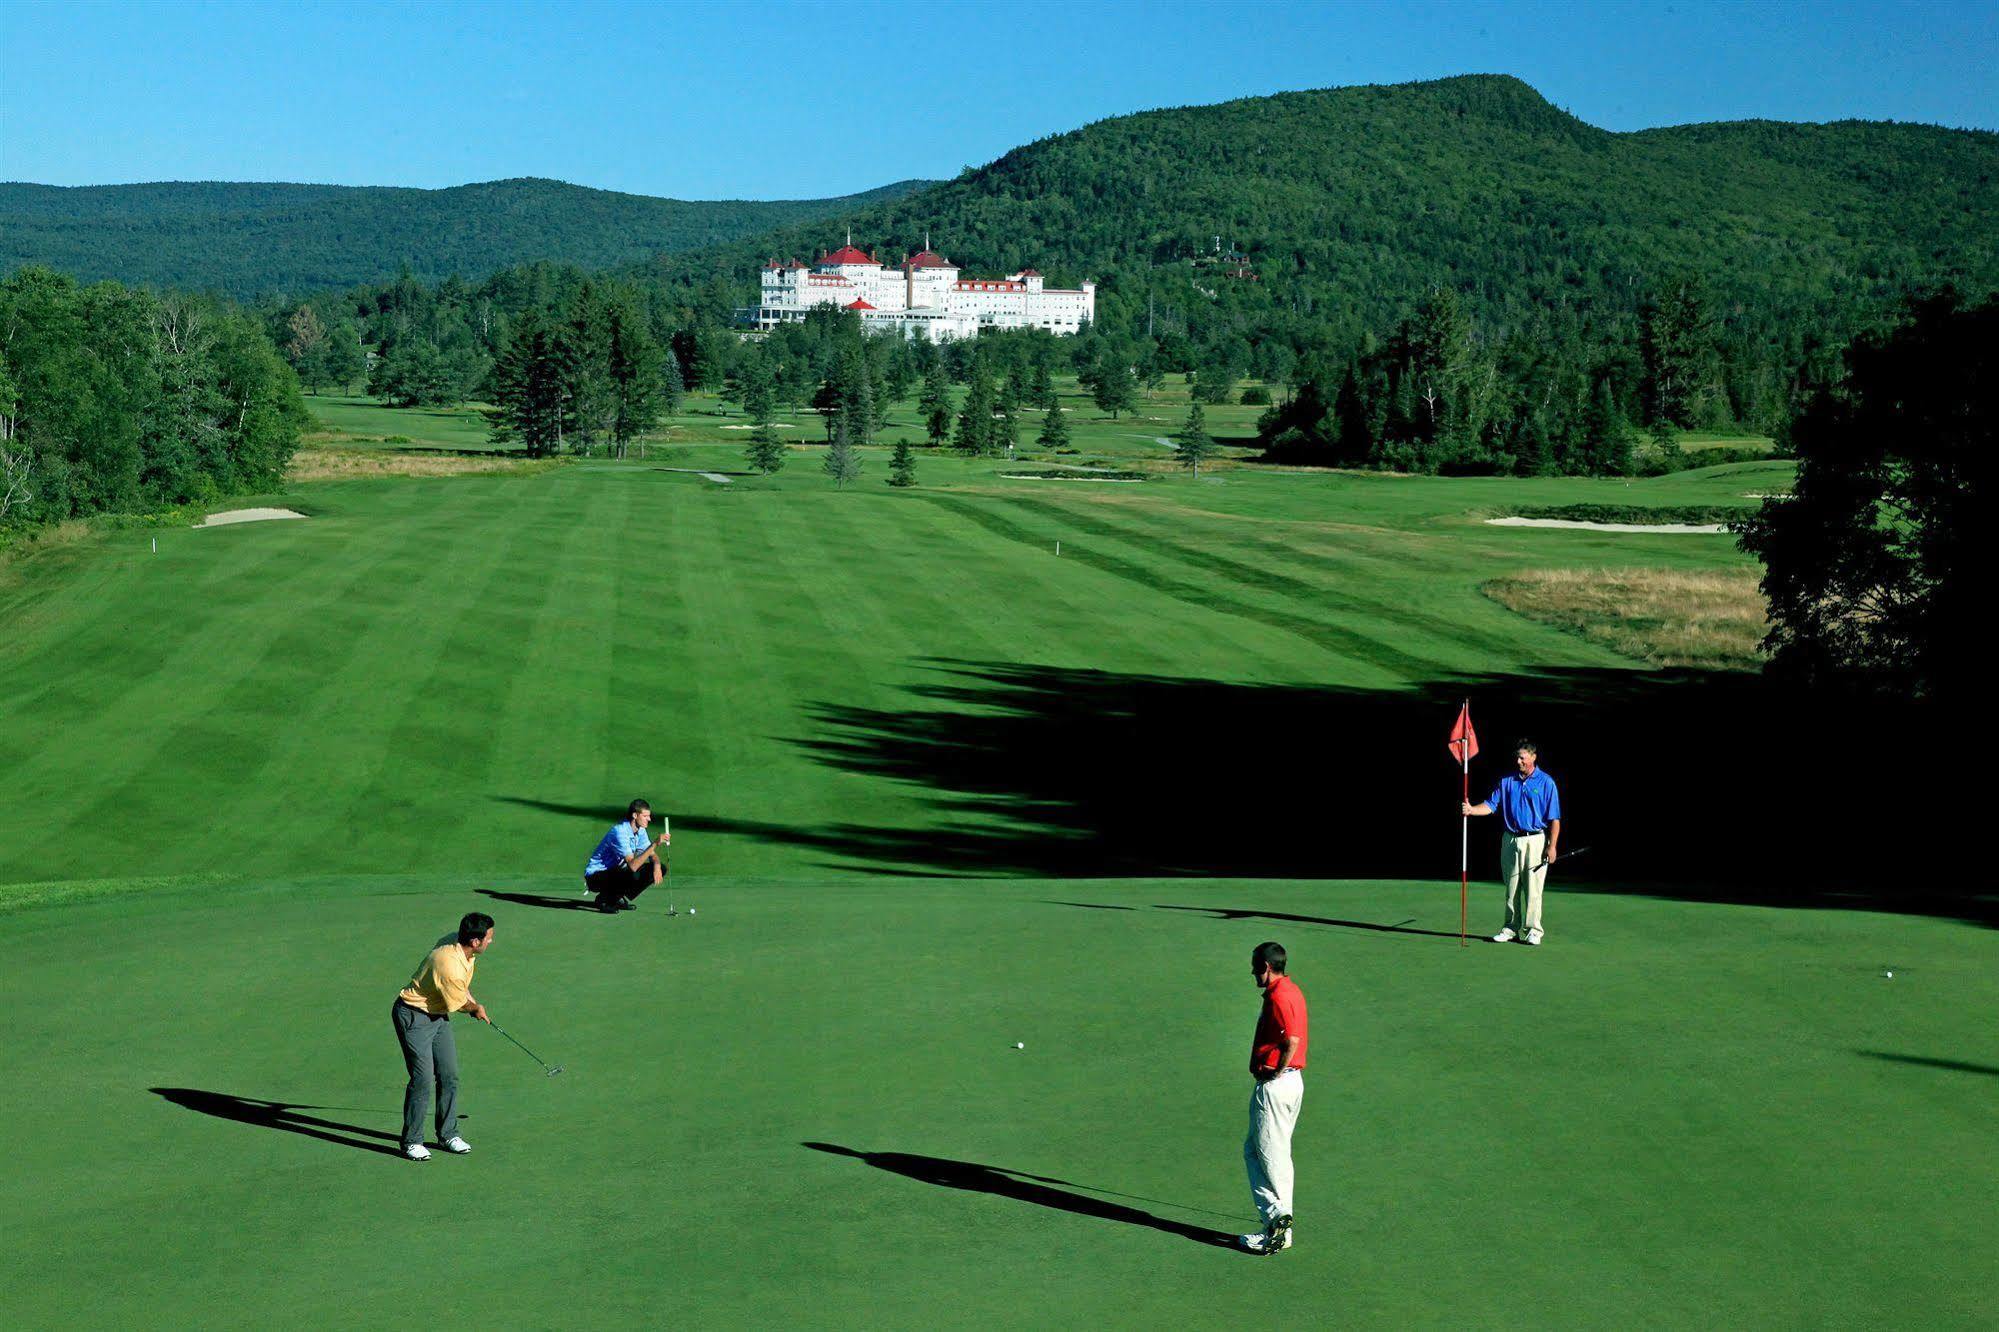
x,y
1350,202
253,239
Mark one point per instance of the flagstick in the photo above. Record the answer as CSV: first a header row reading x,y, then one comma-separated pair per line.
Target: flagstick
x,y
1464,838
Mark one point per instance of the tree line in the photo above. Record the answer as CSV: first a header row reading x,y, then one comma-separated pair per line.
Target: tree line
x,y
116,399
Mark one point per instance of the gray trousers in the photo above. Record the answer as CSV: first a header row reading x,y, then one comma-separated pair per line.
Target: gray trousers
x,y
431,1055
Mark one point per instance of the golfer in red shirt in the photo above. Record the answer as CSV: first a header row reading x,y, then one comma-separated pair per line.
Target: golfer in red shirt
x,y
1275,1058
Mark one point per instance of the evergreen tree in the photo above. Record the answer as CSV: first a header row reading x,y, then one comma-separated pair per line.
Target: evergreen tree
x,y
530,384
1676,344
902,465
766,451
935,404
1112,388
1195,445
631,374
843,463
1054,434
1041,386
975,419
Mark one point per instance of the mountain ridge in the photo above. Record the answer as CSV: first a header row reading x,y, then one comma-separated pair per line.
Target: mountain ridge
x,y
255,238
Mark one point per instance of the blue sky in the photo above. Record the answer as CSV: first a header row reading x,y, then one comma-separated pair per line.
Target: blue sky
x,y
700,100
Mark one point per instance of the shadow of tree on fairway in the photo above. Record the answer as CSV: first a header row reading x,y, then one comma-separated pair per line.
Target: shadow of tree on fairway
x,y
1040,1190
607,813
543,900
1686,785
1924,1061
283,1116
1231,913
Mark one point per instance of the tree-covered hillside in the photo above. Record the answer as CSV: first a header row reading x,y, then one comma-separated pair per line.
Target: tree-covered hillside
x,y
251,240
1350,203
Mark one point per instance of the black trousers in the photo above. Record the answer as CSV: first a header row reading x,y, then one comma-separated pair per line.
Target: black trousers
x,y
619,881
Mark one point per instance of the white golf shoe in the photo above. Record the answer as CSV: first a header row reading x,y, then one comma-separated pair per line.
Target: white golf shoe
x,y
416,1151
456,1145
1534,937
1505,936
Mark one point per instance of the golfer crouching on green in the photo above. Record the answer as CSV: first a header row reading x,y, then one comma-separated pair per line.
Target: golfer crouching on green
x,y
625,863
422,1016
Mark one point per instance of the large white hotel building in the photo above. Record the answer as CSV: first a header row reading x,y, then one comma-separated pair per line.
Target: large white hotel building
x,y
926,296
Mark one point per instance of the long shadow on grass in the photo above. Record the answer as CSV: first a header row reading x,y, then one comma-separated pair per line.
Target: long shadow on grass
x,y
1040,1190
1686,785
1924,1061
543,900
281,1115
1231,913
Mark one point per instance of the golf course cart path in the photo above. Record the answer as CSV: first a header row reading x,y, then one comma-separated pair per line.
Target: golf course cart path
x,y
1606,527
247,516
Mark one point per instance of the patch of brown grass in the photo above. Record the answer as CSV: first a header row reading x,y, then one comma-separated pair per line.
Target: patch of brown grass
x,y
1713,620
333,464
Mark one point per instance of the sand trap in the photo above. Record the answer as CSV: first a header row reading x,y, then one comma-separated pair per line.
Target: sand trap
x,y
1606,527
774,425
247,516
716,477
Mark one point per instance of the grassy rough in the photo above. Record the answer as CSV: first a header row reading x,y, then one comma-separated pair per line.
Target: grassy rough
x,y
1673,618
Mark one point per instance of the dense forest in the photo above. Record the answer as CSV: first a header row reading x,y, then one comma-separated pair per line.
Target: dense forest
x,y
254,240
116,399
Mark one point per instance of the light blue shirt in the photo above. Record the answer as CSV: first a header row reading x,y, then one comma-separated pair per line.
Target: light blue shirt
x,y
1526,803
623,840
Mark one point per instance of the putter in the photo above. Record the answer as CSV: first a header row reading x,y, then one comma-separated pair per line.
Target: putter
x,y
1566,855
551,1070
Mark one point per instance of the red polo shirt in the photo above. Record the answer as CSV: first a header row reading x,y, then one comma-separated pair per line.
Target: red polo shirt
x,y
1283,1015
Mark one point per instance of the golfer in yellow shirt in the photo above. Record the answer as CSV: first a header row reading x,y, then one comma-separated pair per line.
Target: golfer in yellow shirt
x,y
422,1017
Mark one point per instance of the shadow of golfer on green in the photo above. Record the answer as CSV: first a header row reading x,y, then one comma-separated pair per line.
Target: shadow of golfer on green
x,y
1023,1187
282,1116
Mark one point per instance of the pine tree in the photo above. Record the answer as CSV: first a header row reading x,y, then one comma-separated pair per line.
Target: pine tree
x,y
766,451
902,465
1194,442
975,420
935,404
1041,387
1054,434
1114,391
631,374
843,464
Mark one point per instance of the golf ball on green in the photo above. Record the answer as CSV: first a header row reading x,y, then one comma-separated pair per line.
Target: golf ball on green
x,y
1020,1045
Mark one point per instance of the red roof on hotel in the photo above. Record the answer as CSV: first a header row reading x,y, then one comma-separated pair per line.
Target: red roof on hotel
x,y
1028,272
847,254
928,259
860,305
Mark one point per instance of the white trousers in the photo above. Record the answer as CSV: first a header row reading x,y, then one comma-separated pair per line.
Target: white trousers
x,y
1521,870
1273,1113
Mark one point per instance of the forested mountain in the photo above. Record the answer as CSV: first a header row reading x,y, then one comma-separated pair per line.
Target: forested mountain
x,y
251,240
1350,203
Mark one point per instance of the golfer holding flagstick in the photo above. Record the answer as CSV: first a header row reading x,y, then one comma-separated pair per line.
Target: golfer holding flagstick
x,y
1531,808
625,863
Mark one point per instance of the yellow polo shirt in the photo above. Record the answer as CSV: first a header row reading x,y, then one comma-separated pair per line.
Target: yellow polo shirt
x,y
443,983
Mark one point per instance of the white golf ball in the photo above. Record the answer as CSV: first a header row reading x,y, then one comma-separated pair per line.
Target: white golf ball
x,y
1020,1045
690,911
1888,975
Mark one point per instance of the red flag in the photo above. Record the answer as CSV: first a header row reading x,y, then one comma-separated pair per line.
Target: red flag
x,y
1464,740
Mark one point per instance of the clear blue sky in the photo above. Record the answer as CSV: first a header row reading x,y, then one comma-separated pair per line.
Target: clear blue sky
x,y
799,99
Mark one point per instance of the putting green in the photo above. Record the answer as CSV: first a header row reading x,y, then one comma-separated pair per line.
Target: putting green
x,y
935,790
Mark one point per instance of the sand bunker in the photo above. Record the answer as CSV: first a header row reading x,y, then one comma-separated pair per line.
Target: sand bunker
x,y
1606,527
774,425
247,516
716,477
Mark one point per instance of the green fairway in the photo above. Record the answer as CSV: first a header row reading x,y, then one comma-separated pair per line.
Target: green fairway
x,y
935,788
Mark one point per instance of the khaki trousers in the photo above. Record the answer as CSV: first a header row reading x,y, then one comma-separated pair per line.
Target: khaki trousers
x,y
1521,870
1273,1113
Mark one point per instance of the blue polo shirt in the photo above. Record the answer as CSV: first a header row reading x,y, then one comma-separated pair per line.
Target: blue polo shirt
x,y
1526,804
623,840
